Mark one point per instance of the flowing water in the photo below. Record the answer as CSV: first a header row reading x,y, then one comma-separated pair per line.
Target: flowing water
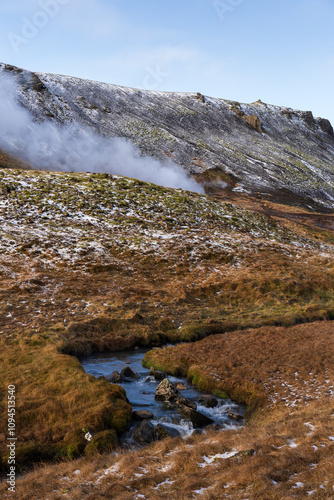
x,y
141,392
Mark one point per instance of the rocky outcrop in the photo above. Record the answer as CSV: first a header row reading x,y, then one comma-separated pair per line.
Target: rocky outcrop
x,y
255,122
325,126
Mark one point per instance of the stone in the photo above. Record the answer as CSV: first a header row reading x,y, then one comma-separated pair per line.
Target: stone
x,y
163,431
128,373
208,401
197,432
103,377
115,378
142,415
156,374
144,433
196,418
199,420
186,402
185,410
181,387
166,391
235,415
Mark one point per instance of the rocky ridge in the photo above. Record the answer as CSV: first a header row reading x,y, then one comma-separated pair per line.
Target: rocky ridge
x,y
256,149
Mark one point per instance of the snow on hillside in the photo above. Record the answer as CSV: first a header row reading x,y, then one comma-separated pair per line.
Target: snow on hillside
x,y
276,151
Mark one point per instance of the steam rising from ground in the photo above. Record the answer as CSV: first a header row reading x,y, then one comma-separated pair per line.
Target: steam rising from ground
x,y
77,148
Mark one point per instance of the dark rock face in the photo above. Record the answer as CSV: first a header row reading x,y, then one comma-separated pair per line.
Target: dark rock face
x,y
128,372
144,433
326,126
308,118
142,415
115,378
163,431
293,155
199,420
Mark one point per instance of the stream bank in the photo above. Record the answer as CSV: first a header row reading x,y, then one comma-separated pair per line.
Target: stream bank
x,y
153,418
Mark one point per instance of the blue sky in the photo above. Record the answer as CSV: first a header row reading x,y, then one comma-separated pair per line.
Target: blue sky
x,y
279,51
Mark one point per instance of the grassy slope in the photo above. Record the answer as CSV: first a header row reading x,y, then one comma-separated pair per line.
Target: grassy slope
x,y
285,452
90,261
251,365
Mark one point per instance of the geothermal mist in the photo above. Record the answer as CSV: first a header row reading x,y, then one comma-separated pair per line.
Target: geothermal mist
x,y
77,148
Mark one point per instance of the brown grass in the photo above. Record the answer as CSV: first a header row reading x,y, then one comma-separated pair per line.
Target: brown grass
x,y
252,365
191,281
55,401
285,451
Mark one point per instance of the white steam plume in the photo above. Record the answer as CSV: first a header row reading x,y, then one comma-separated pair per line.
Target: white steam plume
x,y
77,148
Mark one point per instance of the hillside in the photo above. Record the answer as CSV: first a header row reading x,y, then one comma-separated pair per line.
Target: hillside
x,y
98,262
241,279
258,149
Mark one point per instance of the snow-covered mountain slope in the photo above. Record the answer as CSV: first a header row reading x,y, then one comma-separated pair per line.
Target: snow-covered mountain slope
x,y
256,148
